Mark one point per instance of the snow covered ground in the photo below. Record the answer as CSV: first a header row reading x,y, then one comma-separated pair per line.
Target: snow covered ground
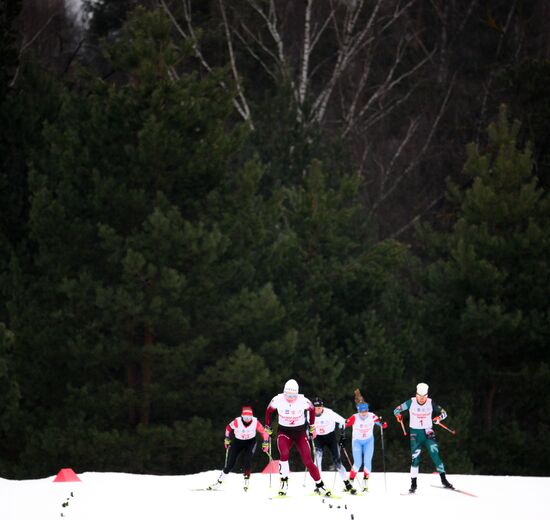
x,y
105,496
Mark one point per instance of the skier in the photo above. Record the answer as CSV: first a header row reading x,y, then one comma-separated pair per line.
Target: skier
x,y
362,440
421,408
240,436
291,408
326,420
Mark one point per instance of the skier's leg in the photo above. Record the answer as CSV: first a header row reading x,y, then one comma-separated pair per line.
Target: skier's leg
x,y
332,445
368,451
433,450
249,450
302,445
417,438
319,457
357,452
232,455
283,445
319,446
234,451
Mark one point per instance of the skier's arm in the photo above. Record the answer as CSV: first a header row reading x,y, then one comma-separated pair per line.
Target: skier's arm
x,y
350,421
338,419
229,429
267,422
378,421
401,408
441,414
261,430
310,410
229,433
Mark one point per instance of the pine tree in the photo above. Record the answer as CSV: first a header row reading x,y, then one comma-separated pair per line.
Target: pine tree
x,y
133,256
486,303
337,286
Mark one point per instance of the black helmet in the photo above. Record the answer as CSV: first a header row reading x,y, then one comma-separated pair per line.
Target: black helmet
x,y
317,401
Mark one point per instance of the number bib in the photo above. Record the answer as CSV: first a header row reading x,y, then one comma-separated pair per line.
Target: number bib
x,y
291,414
420,415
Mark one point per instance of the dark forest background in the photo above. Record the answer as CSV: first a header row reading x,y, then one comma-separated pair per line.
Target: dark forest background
x,y
202,199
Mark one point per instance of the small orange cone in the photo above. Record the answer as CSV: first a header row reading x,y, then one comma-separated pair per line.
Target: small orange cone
x,y
272,467
67,475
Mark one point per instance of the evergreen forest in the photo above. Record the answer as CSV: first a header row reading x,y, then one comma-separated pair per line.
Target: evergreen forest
x,y
200,199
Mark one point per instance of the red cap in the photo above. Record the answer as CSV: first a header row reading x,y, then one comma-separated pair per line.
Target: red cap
x,y
247,410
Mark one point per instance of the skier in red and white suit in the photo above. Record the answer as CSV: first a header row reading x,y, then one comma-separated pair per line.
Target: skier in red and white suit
x,y
292,408
240,436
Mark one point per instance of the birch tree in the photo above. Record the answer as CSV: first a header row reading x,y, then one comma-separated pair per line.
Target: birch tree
x,y
351,67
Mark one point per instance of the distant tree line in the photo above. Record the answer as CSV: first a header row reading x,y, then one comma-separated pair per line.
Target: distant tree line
x,y
200,200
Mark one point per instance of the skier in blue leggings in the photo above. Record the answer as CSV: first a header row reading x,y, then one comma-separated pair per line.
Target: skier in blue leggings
x,y
362,441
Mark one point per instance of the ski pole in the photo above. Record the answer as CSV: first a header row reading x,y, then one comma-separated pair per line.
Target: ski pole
x,y
349,461
226,455
402,425
446,428
270,462
347,456
310,442
383,455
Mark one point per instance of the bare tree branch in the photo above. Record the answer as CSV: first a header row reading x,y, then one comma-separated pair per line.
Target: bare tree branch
x,y
414,163
489,83
240,104
236,76
303,83
417,217
26,45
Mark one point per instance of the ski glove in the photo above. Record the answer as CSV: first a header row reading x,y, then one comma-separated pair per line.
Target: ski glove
x,y
312,431
399,417
383,425
342,440
265,446
437,420
227,442
268,430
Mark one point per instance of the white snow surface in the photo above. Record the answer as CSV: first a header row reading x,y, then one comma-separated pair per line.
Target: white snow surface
x,y
105,496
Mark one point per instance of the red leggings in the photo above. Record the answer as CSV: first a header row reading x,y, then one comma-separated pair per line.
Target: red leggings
x,y
284,442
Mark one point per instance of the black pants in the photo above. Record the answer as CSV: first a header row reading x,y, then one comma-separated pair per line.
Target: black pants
x,y
247,447
328,441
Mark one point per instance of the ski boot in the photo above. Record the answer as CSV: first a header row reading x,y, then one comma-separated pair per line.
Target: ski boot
x,y
246,482
284,486
445,482
413,485
321,490
349,488
365,484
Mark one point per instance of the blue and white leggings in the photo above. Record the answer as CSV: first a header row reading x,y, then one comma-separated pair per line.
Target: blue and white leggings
x,y
363,450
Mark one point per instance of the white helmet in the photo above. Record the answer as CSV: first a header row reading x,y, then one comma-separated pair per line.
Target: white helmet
x,y
291,387
422,389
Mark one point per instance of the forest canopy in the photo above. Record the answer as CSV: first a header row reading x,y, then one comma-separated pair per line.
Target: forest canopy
x,y
201,200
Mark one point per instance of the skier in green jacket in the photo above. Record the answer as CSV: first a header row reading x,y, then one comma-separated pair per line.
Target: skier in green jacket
x,y
421,408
